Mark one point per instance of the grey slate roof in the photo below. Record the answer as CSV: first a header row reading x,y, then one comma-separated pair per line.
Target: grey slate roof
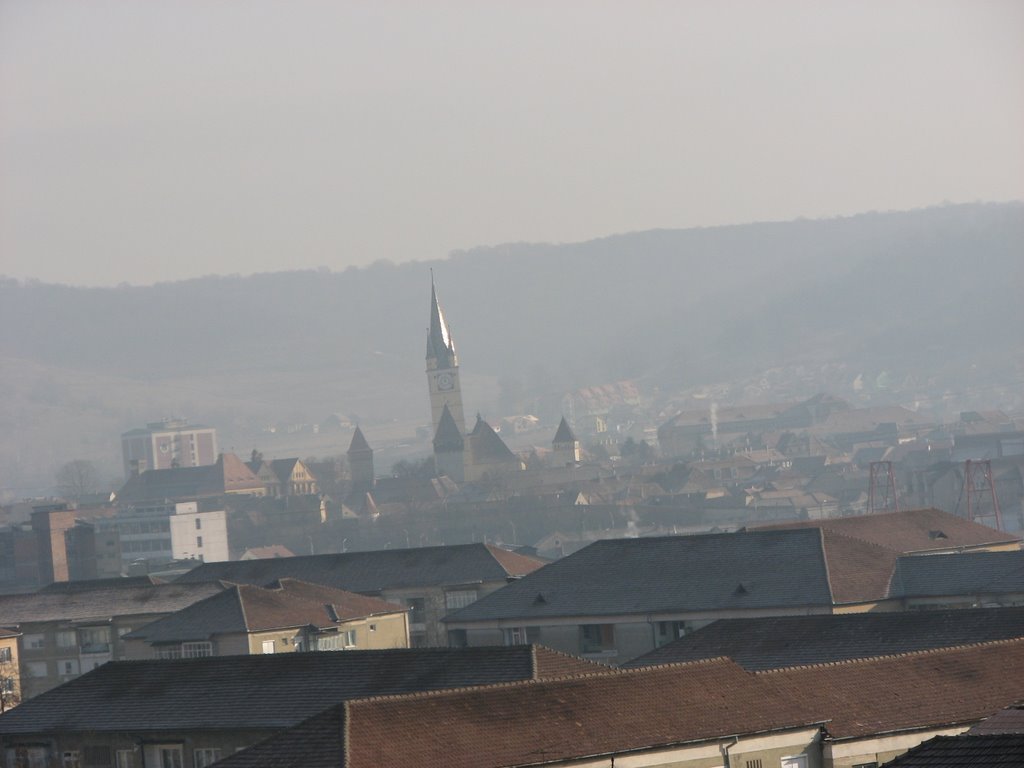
x,y
754,569
966,573
102,602
790,641
358,442
486,445
370,572
255,692
965,751
448,437
564,433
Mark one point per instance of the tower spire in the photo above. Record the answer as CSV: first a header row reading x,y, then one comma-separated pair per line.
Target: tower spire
x,y
440,346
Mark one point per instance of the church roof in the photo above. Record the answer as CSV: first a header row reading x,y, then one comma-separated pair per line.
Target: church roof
x,y
448,437
564,433
439,339
358,442
486,445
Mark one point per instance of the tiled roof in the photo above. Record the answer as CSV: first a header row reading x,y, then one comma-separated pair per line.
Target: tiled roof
x,y
264,691
274,550
247,608
858,570
485,444
912,530
945,687
229,474
102,602
283,468
6,633
374,571
525,724
1009,720
756,569
589,716
790,641
965,751
88,585
967,573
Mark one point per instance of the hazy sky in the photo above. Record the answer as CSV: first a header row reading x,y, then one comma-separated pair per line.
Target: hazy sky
x,y
147,140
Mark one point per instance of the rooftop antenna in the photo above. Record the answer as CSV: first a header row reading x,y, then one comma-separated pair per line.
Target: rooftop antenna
x,y
882,496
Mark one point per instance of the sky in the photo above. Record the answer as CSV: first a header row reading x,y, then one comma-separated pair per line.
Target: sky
x,y
153,140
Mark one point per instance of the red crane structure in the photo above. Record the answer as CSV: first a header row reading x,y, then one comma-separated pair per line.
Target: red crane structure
x,y
978,488
882,496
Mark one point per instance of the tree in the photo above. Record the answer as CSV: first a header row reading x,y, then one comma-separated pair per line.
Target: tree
x,y
77,478
10,681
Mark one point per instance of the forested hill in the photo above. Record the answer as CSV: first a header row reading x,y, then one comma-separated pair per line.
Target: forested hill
x,y
703,301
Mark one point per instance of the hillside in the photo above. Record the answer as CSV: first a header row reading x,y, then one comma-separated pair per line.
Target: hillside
x,y
931,291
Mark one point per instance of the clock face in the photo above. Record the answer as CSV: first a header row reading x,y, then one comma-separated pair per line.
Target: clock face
x,y
445,382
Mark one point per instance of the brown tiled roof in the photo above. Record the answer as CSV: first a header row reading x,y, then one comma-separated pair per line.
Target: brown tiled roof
x,y
531,723
858,571
945,687
912,530
514,563
246,608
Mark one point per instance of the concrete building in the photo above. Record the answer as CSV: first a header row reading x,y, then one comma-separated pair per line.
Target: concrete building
x,y
167,444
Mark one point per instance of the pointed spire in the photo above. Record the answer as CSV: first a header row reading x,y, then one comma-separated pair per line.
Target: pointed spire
x,y
439,339
564,433
358,442
448,437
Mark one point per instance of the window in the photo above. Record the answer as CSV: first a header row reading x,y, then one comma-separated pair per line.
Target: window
x,y
6,685
71,760
796,761
33,642
457,638
125,758
417,614
67,639
27,757
201,758
196,650
169,652
96,755
199,541
199,525
94,639
67,667
755,763
268,646
373,627
349,637
459,598
597,638
35,669
168,756
5,654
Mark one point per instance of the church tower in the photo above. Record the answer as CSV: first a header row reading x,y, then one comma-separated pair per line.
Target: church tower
x,y
442,368
360,463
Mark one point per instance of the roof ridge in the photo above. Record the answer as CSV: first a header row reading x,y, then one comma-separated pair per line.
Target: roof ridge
x,y
603,672
884,657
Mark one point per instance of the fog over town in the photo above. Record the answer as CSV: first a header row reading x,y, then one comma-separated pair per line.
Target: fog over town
x,y
507,384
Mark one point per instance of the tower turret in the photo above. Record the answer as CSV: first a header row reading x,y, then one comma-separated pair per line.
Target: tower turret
x,y
360,463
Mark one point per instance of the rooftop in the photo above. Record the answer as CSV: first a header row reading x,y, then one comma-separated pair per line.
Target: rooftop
x,y
370,572
668,574
789,641
247,608
266,691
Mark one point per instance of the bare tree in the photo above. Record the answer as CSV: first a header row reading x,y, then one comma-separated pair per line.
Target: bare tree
x,y
77,478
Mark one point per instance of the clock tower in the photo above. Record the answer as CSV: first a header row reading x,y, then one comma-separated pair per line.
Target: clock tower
x,y
442,367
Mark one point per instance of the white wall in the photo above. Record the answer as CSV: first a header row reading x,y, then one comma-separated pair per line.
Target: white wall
x,y
200,535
